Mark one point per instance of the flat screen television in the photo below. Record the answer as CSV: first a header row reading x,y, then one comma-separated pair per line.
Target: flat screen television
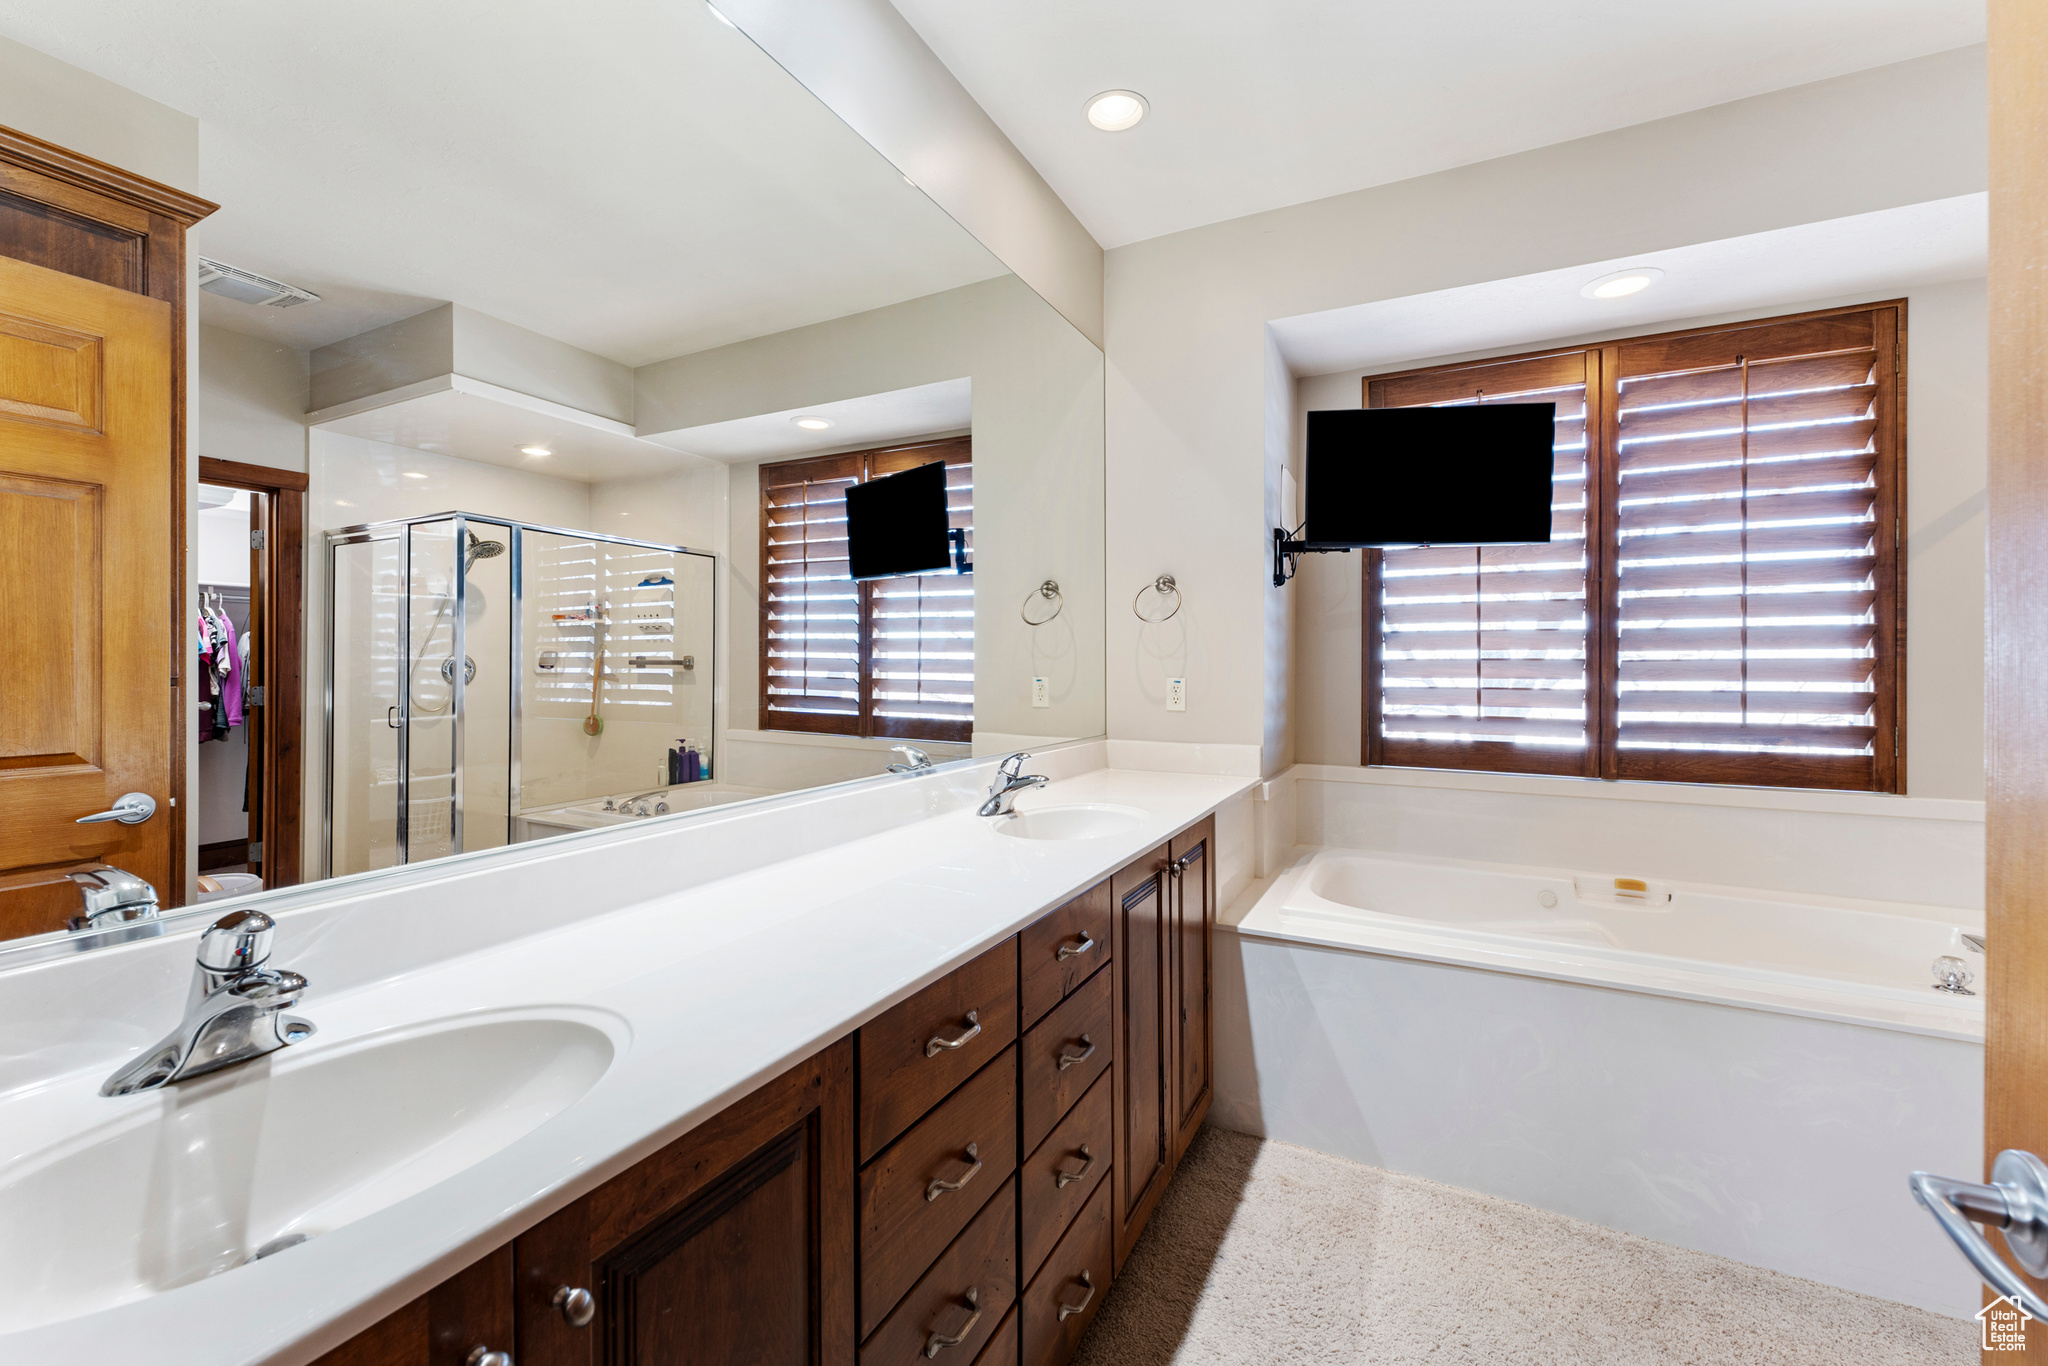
x,y
898,524
1471,475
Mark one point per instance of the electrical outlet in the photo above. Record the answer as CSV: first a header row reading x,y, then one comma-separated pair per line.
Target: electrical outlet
x,y
1176,694
1041,696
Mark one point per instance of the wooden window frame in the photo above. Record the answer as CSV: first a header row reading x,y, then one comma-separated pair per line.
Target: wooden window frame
x,y
863,724
1882,771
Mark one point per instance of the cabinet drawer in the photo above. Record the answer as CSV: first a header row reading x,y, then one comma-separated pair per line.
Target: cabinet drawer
x,y
983,1259
1060,950
906,1217
1064,1295
912,1057
1063,1055
1078,1150
1002,1348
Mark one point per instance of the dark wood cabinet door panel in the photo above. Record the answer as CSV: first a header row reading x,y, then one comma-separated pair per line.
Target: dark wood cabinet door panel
x,y
1002,1348
1060,950
1064,1296
733,1244
964,1296
1193,939
908,1214
471,1309
913,1055
1142,1110
1058,1179
1064,1054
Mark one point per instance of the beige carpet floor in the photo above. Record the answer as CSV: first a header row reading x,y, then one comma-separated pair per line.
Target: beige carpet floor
x,y
1263,1252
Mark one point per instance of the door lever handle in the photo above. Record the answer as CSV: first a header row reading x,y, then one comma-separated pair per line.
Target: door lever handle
x,y
131,808
2016,1203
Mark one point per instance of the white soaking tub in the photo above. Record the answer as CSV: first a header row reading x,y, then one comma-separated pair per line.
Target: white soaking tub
x,y
1753,1074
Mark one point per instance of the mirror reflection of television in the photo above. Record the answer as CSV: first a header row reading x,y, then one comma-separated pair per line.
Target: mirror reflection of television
x,y
1470,475
898,524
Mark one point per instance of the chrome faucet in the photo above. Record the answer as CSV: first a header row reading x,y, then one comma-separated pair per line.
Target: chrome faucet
x,y
233,1014
113,896
625,805
1010,780
915,760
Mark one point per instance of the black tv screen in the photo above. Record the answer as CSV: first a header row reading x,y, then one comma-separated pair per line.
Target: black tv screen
x,y
897,524
1472,475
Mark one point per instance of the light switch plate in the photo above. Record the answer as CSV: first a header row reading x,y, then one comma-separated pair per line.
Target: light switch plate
x,y
1041,696
1176,694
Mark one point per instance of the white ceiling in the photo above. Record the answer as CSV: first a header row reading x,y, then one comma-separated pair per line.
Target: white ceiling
x,y
470,420
634,178
937,409
1885,252
1257,106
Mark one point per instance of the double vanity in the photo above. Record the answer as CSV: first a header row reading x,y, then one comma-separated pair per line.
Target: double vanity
x,y
860,1077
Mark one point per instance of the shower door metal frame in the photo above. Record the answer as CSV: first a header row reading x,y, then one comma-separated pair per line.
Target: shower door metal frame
x,y
400,529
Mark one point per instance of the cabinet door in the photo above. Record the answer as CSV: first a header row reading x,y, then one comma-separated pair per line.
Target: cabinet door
x,y
1143,1118
445,1326
1193,912
734,1244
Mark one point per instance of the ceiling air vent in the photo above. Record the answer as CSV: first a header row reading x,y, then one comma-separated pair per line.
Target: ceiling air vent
x,y
232,282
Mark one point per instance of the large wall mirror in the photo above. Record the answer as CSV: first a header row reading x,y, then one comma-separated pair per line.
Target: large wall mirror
x,y
533,367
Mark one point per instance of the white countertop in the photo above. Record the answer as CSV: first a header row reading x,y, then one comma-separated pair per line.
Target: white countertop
x,y
709,992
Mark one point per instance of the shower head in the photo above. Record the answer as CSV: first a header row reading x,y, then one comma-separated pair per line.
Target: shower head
x,y
481,550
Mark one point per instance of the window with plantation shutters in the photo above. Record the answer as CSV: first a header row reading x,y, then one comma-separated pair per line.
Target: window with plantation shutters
x,y
1740,571
890,657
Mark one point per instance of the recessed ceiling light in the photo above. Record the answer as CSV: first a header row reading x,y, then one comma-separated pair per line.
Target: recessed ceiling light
x,y
812,423
413,474
1115,110
535,450
1622,283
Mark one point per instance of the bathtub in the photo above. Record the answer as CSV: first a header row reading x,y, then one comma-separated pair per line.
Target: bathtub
x,y
590,814
1748,1073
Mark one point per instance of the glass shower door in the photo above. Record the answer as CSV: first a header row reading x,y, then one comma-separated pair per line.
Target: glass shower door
x,y
431,738
366,661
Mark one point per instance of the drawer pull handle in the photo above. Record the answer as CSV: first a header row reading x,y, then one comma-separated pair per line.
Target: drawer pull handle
x,y
1067,951
1062,1178
578,1305
1076,1059
939,1188
481,1355
1184,862
938,1340
1070,1309
960,1040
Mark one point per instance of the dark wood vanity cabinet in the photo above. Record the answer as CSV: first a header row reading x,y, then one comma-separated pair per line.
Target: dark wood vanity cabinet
x,y
956,1183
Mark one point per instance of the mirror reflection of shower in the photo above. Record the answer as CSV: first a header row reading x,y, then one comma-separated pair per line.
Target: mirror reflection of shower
x,y
474,609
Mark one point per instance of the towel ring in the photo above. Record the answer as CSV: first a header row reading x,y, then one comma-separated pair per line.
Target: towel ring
x,y
1048,590
1162,585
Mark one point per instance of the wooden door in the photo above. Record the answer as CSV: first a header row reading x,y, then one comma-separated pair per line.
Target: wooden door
x,y
1140,958
733,1245
85,552
2016,742
1193,912
445,1326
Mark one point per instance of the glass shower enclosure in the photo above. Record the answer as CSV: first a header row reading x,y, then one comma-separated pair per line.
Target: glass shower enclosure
x,y
480,667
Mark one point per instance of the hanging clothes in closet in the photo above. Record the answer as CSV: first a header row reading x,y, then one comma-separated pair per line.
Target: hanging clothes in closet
x,y
220,670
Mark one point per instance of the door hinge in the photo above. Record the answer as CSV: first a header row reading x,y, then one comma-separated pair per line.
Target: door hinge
x,y
256,539
256,695
1895,742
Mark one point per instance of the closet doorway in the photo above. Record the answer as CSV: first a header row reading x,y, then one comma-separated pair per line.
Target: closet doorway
x,y
248,708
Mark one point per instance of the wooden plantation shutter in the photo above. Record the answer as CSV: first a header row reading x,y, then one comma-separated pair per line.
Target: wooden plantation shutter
x,y
1481,655
1756,554
891,657
810,608
920,678
1741,582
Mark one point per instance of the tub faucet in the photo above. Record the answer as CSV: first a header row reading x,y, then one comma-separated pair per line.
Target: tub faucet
x,y
1009,781
233,1014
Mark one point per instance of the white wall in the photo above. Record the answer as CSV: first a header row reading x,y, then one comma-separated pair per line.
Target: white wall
x,y
1946,393
75,109
250,395
1037,470
1191,383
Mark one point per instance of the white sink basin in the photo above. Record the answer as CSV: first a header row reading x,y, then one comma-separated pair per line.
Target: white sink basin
x,y
1069,822
187,1182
